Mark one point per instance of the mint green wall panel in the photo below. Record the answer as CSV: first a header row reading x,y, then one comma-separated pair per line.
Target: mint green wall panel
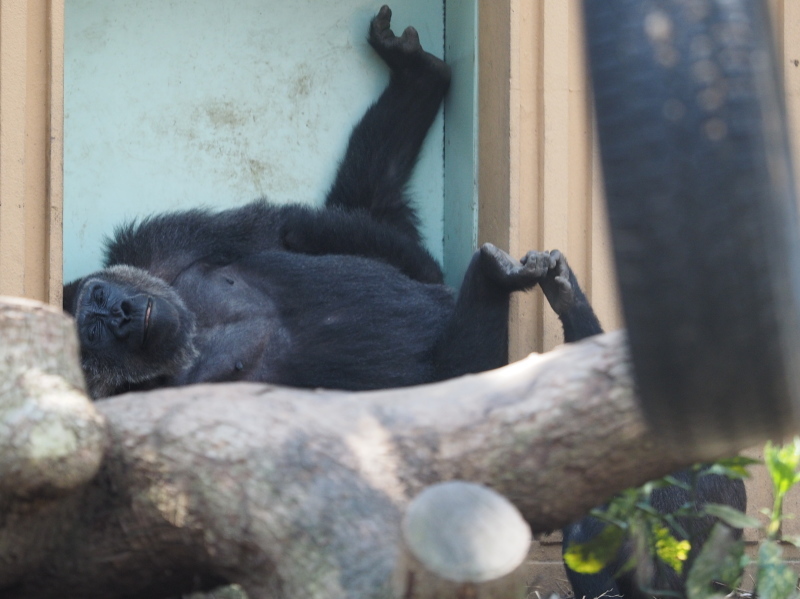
x,y
171,104
461,139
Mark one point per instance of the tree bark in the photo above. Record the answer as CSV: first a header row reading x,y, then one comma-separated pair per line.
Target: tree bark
x,y
51,437
296,493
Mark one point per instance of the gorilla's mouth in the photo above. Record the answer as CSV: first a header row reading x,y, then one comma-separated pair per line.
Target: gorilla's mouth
x,y
147,313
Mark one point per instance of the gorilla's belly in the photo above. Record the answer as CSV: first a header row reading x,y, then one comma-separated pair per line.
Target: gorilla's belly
x,y
341,322
239,331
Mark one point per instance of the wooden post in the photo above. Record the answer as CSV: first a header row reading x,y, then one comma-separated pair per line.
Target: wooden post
x,y
31,157
462,540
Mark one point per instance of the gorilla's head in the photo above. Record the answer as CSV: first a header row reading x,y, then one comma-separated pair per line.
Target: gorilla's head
x,y
133,328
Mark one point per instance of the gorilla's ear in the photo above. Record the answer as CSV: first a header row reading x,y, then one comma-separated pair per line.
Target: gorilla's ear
x,y
70,292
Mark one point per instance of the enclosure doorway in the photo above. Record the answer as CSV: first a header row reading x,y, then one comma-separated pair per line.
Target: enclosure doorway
x,y
171,105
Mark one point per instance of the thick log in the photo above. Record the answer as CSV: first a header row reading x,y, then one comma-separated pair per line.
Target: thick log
x,y
462,540
296,493
52,439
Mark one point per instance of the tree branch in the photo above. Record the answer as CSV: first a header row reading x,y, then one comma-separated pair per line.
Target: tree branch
x,y
295,493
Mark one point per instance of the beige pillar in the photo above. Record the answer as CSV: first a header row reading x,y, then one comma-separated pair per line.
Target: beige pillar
x,y
539,176
31,126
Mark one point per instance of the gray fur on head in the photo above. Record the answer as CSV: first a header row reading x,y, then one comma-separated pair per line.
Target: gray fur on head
x,y
104,376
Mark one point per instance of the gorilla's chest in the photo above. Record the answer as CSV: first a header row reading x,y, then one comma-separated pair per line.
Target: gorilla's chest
x,y
239,330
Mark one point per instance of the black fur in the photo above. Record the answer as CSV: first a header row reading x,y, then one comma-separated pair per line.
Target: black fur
x,y
343,297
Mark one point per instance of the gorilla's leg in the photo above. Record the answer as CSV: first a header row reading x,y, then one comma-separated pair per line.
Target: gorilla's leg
x,y
385,144
306,230
567,300
476,338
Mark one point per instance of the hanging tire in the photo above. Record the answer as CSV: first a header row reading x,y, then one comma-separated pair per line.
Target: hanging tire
x,y
701,202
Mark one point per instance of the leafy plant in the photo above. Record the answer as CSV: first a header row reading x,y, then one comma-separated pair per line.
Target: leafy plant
x,y
719,565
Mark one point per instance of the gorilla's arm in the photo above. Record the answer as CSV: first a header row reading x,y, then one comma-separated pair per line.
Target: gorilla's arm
x,y
165,245
337,231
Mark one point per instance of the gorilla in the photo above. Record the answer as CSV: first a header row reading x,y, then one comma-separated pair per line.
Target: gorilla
x,y
344,296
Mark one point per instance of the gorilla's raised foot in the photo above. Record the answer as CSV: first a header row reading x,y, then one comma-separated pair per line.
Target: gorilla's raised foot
x,y
558,283
511,274
403,54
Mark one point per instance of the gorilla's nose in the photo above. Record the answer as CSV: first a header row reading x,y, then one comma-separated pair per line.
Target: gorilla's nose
x,y
123,316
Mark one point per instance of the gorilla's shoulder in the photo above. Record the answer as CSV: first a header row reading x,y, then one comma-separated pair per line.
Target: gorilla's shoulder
x,y
197,231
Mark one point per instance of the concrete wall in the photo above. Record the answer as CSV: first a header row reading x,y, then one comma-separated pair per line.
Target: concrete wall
x,y
171,104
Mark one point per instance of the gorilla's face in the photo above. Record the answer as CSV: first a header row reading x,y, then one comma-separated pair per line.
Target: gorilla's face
x,y
133,327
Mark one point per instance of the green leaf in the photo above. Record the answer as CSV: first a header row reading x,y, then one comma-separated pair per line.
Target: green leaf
x,y
629,566
670,480
782,462
648,509
670,550
595,554
731,516
609,516
776,580
792,540
732,467
720,560
676,526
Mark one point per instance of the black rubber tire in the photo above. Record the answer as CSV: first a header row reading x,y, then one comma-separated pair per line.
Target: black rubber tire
x,y
701,202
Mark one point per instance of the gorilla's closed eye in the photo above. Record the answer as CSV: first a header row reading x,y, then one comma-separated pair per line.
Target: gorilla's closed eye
x,y
98,295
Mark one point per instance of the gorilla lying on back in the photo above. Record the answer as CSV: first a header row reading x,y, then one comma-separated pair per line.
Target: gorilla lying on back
x,y
340,297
